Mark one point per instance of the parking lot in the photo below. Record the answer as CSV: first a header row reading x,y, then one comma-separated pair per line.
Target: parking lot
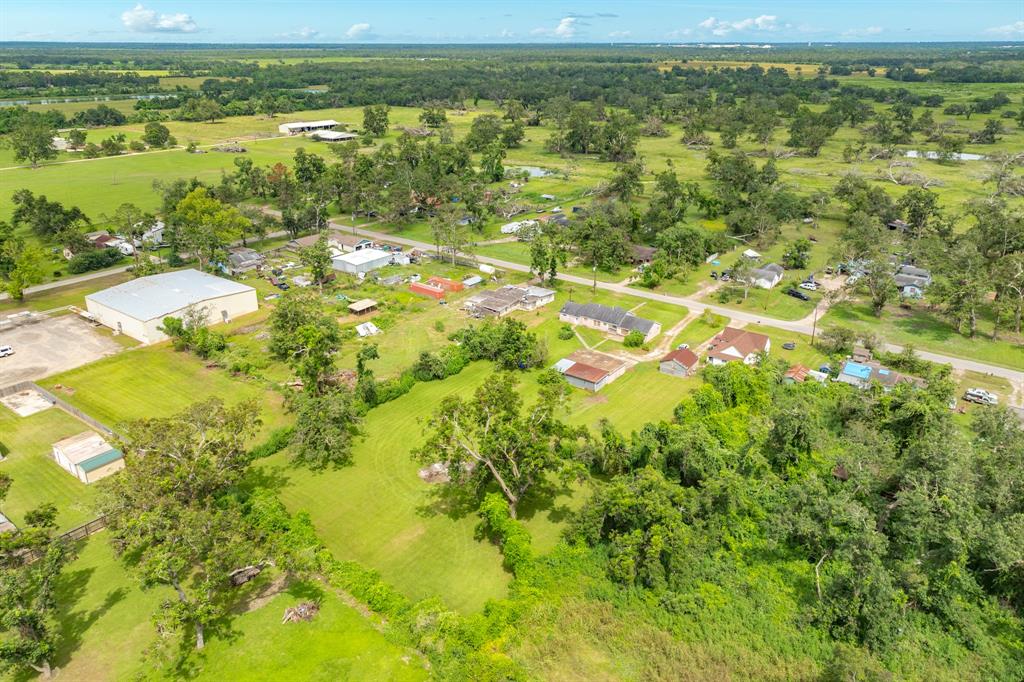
x,y
54,345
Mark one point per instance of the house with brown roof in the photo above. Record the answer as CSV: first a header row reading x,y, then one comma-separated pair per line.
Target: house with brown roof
x,y
798,374
737,344
681,362
591,370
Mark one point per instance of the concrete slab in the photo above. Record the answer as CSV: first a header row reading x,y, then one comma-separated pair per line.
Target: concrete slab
x,y
25,403
54,345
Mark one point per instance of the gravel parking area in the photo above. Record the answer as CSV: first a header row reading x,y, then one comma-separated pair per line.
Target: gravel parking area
x,y
54,345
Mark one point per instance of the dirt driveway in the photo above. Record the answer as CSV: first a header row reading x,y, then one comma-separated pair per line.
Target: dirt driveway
x,y
53,345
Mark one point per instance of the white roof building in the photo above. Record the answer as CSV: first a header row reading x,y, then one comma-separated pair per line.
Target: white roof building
x,y
138,307
364,260
332,135
87,456
297,127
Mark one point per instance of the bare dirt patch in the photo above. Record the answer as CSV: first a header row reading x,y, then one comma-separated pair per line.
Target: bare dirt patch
x,y
54,345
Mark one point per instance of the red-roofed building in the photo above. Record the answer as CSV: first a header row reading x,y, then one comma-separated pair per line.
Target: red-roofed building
x,y
426,289
737,344
681,362
446,284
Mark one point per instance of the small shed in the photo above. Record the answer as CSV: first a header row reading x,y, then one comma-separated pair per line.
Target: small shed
x,y
88,457
472,281
362,306
681,362
367,329
751,254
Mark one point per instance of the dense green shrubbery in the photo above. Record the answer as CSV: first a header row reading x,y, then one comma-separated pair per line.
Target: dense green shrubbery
x,y
278,440
507,343
94,259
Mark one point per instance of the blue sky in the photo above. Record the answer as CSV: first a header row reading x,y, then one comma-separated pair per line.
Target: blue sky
x,y
511,21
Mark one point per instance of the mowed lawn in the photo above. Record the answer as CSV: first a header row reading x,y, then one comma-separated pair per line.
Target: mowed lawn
x,y
380,513
155,381
37,479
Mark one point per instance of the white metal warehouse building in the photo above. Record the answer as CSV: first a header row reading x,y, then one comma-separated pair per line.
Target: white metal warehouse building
x,y
363,260
138,308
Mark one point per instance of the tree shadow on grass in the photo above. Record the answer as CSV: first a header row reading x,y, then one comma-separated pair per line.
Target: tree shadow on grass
x,y
272,478
72,625
543,499
455,502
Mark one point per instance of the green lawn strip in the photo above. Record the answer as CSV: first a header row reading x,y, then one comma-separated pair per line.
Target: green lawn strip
x,y
155,381
700,330
925,330
37,478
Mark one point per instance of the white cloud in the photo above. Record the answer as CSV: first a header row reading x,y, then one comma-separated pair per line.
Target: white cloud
x,y
304,33
620,34
142,20
721,27
1016,28
505,33
357,30
869,31
566,29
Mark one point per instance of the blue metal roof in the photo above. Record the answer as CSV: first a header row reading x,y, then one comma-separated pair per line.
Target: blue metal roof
x,y
855,369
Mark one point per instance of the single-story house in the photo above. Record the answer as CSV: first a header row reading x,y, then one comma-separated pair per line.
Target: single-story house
x,y
362,306
863,374
611,319
427,290
348,243
861,354
6,525
737,344
367,329
446,284
138,307
641,255
88,457
243,259
332,135
364,260
590,370
499,302
912,281
767,276
798,374
306,126
681,362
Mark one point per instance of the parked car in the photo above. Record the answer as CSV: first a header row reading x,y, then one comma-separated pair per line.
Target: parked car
x,y
682,346
981,397
826,369
6,351
810,286
789,345
283,286
796,293
414,277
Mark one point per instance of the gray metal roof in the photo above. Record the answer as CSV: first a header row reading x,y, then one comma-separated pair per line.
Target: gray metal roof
x,y
608,314
149,298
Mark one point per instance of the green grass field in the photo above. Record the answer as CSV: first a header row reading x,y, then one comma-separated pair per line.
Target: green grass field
x,y
37,479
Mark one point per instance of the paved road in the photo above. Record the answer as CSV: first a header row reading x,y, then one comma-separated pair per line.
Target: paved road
x,y
804,326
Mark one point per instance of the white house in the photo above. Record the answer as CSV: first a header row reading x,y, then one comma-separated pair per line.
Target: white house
x,y
362,261
767,276
737,344
138,307
87,456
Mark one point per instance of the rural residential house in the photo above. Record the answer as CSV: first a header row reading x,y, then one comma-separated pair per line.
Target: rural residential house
x,y
737,344
499,302
243,259
610,319
138,307
863,374
590,370
88,457
767,276
798,374
681,362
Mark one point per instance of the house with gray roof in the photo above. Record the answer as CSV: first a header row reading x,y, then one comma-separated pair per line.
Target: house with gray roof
x,y
610,319
766,276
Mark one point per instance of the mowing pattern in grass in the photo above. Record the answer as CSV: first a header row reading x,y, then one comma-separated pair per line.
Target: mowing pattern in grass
x,y
37,478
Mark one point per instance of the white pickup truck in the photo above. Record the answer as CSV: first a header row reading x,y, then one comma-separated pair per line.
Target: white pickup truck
x,y
5,351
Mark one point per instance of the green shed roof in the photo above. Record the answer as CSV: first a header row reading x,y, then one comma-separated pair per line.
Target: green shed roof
x,y
95,462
